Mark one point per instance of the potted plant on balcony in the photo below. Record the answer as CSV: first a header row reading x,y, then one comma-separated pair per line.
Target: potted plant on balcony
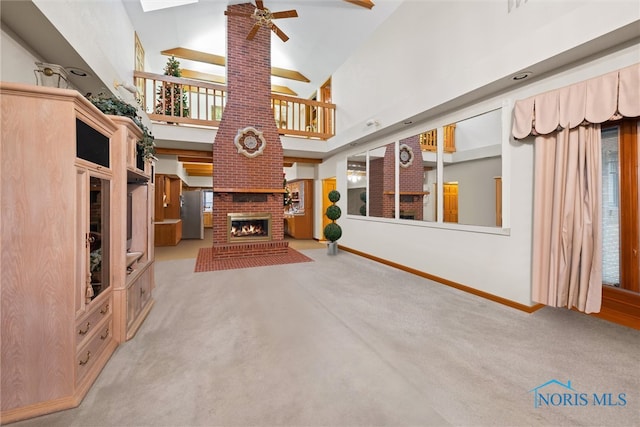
x,y
332,231
113,106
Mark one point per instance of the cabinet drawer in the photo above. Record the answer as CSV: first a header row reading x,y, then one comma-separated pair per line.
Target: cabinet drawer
x,y
90,352
87,323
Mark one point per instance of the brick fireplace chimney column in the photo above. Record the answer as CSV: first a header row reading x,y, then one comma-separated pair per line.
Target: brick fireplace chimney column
x,y
248,105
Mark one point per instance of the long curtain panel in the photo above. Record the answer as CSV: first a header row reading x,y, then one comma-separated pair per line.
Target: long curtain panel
x,y
567,244
567,227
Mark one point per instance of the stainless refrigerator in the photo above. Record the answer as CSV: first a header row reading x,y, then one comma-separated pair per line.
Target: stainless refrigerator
x,y
191,207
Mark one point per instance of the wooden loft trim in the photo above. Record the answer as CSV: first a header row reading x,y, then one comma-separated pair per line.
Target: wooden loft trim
x,y
198,169
210,58
184,153
197,75
364,3
283,90
289,74
195,55
187,159
205,157
198,166
317,122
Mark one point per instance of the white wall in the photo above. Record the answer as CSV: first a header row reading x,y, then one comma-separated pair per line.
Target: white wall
x,y
421,71
100,31
431,52
20,68
300,171
169,165
199,181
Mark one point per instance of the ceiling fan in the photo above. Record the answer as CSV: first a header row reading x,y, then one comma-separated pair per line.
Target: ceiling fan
x,y
263,18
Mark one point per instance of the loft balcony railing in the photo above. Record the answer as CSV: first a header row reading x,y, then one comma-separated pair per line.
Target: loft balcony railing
x,y
429,139
192,102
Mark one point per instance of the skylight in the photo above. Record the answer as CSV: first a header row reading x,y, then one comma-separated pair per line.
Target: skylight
x,y
151,5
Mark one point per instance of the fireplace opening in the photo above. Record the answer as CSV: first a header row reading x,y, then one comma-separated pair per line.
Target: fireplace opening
x,y
244,227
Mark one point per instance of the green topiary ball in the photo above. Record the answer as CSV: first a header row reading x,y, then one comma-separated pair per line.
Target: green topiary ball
x,y
334,196
332,232
333,212
363,196
363,210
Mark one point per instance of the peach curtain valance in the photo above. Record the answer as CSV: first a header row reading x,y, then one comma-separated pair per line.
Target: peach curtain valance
x,y
613,95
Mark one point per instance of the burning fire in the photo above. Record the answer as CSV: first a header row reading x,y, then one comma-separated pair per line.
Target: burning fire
x,y
247,230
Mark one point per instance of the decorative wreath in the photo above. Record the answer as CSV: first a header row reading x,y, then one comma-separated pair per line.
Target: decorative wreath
x,y
406,156
250,142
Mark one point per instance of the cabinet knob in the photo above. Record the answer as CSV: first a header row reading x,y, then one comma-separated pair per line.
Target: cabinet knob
x,y
85,361
105,335
81,332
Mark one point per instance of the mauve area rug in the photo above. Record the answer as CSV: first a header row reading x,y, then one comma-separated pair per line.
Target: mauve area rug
x,y
207,262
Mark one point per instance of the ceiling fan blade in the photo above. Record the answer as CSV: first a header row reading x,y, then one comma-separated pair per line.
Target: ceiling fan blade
x,y
253,32
259,4
285,14
231,13
279,32
364,3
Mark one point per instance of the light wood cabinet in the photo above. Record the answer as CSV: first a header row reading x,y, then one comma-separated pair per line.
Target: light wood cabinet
x,y
139,300
137,190
207,219
64,191
299,219
167,223
168,232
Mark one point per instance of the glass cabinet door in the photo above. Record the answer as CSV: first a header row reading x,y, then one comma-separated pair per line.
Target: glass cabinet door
x,y
97,237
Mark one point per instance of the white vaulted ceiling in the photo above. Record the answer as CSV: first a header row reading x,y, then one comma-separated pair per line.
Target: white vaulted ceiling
x,y
321,38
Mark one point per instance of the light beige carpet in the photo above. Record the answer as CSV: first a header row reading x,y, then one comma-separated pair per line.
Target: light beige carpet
x,y
344,341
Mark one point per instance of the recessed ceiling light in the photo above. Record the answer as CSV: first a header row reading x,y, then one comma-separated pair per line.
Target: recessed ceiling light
x,y
522,76
407,122
77,71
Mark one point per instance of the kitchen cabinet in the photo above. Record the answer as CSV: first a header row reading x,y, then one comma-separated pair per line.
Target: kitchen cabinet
x,y
299,217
